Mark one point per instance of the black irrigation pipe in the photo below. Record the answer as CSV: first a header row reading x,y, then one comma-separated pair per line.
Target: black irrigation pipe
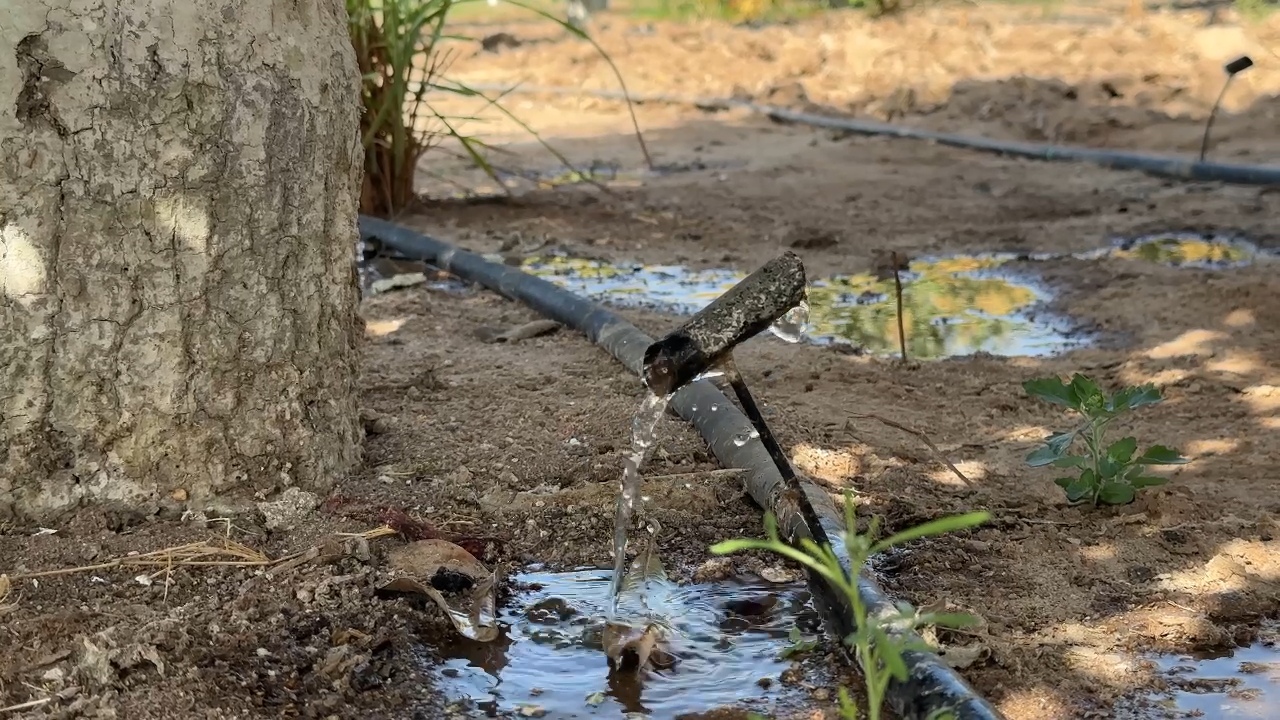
x,y
932,685
1159,165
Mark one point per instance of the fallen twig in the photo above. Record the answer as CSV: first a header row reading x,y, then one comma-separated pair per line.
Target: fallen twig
x,y
921,436
902,331
26,705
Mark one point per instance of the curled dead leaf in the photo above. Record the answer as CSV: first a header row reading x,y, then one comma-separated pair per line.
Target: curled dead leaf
x,y
396,282
459,584
958,647
632,648
961,657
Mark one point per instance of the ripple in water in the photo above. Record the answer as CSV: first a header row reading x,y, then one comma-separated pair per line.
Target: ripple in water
x,y
725,638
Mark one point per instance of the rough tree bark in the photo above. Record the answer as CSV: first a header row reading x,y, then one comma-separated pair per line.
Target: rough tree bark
x,y
178,195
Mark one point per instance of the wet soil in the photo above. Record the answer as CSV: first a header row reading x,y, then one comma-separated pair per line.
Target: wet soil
x,y
514,448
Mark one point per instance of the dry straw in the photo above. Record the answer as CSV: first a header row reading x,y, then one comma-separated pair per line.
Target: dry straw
x,y
221,551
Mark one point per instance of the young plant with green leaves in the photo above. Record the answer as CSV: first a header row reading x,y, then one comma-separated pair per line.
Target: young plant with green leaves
x,y
1110,473
879,639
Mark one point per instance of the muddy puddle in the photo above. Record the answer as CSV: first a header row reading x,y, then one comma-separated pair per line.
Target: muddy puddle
x,y
951,306
726,646
1229,685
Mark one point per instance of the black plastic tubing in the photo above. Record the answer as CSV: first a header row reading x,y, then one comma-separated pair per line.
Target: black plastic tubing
x,y
932,686
1157,165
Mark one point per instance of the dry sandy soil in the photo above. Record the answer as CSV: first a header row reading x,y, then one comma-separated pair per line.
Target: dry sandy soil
x,y
517,446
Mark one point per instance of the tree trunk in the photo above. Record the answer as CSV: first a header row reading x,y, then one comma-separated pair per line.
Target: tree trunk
x,y
178,189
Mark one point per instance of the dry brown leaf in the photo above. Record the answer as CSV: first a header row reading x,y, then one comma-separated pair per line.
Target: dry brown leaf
x,y
452,577
632,648
961,657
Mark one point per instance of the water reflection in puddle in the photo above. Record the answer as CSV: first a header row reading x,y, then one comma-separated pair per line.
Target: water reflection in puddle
x,y
951,306
549,662
1231,685
1191,250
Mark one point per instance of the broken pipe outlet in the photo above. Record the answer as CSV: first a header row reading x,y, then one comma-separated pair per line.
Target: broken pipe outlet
x,y
746,310
932,688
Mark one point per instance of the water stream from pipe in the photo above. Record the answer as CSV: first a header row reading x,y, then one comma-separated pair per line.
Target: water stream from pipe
x,y
790,327
643,435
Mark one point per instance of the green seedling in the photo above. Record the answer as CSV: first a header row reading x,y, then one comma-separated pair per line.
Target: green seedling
x,y
1111,473
881,637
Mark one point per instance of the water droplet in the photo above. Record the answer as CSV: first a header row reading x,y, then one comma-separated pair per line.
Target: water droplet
x,y
743,438
693,408
715,408
792,326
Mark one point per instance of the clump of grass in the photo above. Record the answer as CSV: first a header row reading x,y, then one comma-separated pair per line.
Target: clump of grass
x,y
388,36
399,47
878,641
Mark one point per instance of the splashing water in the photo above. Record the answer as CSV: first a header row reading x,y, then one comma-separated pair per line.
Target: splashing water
x,y
725,636
643,436
792,326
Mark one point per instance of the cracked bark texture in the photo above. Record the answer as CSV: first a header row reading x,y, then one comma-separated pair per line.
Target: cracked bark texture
x,y
178,189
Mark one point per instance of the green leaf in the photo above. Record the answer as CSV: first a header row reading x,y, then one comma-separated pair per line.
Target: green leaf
x,y
1086,394
891,655
1115,493
1082,487
728,547
1064,482
1122,450
947,620
1078,491
1078,461
1061,440
847,708
933,527
1142,481
1161,455
1132,398
1042,456
1051,390
1108,468
1054,446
